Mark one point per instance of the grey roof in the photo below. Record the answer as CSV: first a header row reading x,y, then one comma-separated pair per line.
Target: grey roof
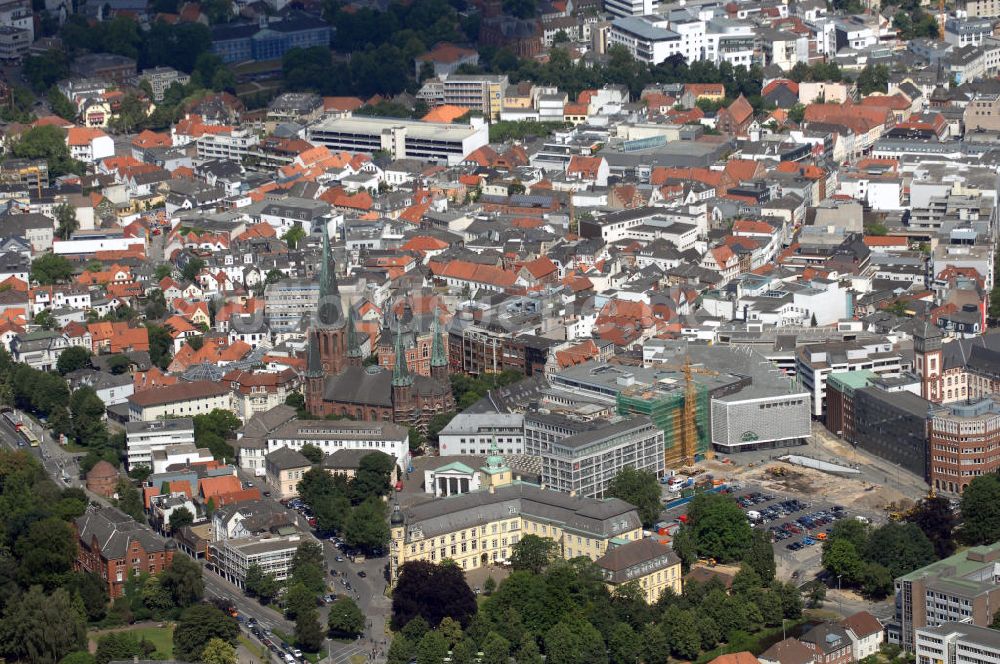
x,y
338,430
597,518
637,558
115,531
610,430
346,459
172,424
264,423
285,458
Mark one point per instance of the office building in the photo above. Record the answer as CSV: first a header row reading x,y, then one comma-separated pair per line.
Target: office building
x,y
144,438
892,425
401,139
768,419
964,437
584,464
961,588
287,301
273,554
161,78
331,436
631,7
815,363
183,399
477,529
269,38
646,38
957,643
474,433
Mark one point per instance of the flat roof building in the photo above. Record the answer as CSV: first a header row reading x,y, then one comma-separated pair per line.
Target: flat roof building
x,y
426,141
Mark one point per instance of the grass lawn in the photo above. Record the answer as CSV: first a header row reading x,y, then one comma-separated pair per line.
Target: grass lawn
x,y
161,637
253,647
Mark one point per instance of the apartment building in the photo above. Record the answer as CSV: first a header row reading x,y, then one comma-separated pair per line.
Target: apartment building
x,y
957,643
476,529
144,438
631,7
482,93
981,8
233,145
161,78
474,433
584,464
960,588
287,301
183,399
964,443
284,468
17,29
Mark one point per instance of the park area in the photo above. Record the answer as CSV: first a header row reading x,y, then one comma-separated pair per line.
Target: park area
x,y
160,636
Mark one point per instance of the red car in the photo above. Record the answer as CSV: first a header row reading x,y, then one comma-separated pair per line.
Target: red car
x,y
312,522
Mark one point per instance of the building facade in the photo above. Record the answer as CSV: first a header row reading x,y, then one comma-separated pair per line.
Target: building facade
x,y
474,433
964,438
144,438
232,557
654,566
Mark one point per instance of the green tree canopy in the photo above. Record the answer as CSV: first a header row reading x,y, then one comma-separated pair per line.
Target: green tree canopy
x,y
73,358
51,269
533,553
718,527
431,592
345,618
639,488
981,510
197,626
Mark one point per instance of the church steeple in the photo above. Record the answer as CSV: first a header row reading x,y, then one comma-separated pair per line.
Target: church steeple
x,y
314,368
400,373
353,347
328,312
439,361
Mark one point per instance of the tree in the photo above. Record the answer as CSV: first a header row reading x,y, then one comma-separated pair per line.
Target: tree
x,y
87,417
533,553
574,641
163,270
817,594
873,78
432,592
528,652
129,500
308,568
42,627
496,649
719,527
119,646
197,626
654,647
183,580
760,556
432,649
639,488
308,633
937,521
218,651
372,478
298,599
45,320
899,547
685,641
260,584
345,618
50,269
47,142
400,650
179,518
366,528
65,220
623,647
311,452
294,235
160,345
212,429
841,558
981,510
192,268
71,359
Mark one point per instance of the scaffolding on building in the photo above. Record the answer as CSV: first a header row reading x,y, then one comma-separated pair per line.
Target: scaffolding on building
x,y
682,414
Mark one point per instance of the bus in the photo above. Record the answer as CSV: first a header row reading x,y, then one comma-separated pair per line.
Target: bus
x,y
12,420
28,436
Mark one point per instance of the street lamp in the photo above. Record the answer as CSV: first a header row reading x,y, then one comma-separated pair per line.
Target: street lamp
x,y
840,596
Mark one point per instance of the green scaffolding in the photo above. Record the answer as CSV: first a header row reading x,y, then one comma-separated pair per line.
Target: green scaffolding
x,y
667,412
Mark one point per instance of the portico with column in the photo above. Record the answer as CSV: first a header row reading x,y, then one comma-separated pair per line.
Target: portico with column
x,y
451,480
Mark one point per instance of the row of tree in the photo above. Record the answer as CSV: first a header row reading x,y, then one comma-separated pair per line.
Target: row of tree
x,y
564,610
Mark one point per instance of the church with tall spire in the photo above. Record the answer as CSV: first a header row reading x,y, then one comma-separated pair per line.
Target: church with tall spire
x,y
337,382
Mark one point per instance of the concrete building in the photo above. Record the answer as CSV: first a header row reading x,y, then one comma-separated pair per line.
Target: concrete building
x,y
482,93
631,7
745,421
957,643
161,78
474,433
183,399
232,557
269,38
963,440
960,588
893,425
429,141
584,464
143,438
654,566
287,301
476,529
646,38
815,362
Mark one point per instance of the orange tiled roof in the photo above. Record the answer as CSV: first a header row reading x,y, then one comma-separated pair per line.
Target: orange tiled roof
x,y
446,113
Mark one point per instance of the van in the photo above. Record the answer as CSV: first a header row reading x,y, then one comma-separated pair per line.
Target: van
x,y
289,659
753,515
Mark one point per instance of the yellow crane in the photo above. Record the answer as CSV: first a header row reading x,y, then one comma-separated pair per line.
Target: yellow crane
x,y
688,415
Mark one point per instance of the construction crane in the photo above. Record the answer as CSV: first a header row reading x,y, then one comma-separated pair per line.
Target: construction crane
x,y
687,424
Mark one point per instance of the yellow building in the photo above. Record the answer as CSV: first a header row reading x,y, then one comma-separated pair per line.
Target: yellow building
x,y
480,528
653,565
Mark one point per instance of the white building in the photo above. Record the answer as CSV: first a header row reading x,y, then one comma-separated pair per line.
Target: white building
x,y
143,438
181,400
646,38
232,557
631,7
957,643
815,362
429,141
232,146
333,435
474,433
